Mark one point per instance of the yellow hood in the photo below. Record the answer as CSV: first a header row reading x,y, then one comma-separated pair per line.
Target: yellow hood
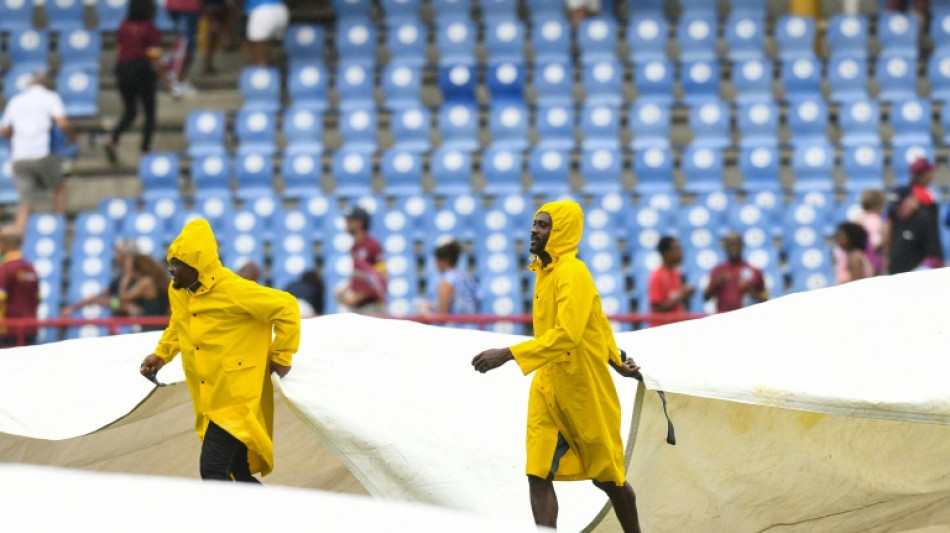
x,y
196,247
567,227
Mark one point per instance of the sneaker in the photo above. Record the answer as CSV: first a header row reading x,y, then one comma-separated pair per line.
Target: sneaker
x,y
187,89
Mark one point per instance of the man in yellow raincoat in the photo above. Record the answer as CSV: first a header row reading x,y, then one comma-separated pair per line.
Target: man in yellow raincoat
x,y
573,408
231,333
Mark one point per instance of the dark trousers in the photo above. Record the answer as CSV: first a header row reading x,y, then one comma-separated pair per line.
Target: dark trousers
x,y
223,457
136,81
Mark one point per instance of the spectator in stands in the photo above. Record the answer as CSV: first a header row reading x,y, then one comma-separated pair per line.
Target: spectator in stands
x,y
573,410
19,290
249,271
109,298
921,176
267,21
581,9
28,120
853,262
919,8
907,236
365,292
309,291
667,293
872,220
232,334
138,71
143,289
457,291
734,282
185,14
216,14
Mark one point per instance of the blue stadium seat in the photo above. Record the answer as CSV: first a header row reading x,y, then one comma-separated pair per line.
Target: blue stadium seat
x,y
267,209
358,129
700,82
355,85
204,132
307,86
458,124
241,248
813,165
64,15
260,88
938,74
550,171
745,36
702,169
748,219
494,12
759,168
603,83
553,82
795,37
211,175
287,267
115,210
940,31
597,40
860,122
79,90
402,86
147,231
303,130
696,36
653,81
911,122
110,14
401,171
159,175
653,168
406,42
163,21
16,15
863,167
808,122
304,43
897,78
168,211
904,155
945,122
810,269
352,172
752,80
80,48
848,35
847,78
455,40
545,9
256,131
399,11
600,127
709,123
502,166
8,191
451,9
253,174
352,10
505,82
699,7
647,38
504,41
551,40
457,83
356,42
801,79
758,125
29,49
508,125
554,125
897,33
410,128
502,298
650,125
301,174
601,169
451,170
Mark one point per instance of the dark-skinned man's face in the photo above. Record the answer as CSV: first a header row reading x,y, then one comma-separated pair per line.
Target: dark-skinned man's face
x,y
183,276
540,232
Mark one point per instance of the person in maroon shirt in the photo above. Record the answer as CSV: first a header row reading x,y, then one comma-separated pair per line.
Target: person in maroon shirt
x,y
19,290
921,176
732,281
138,70
366,291
667,293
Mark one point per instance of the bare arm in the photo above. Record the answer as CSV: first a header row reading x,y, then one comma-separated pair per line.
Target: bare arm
x,y
445,294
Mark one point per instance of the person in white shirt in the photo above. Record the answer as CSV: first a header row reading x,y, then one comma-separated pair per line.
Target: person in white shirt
x,y
28,121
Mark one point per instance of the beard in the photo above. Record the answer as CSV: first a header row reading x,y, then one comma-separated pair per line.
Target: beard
x,y
537,247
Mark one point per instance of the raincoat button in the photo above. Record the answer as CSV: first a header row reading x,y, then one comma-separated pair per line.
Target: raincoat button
x,y
194,314
197,347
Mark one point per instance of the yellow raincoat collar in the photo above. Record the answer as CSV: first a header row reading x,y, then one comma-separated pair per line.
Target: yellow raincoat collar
x,y
567,227
196,247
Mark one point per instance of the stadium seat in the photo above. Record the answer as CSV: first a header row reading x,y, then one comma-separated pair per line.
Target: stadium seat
x,y
267,208
795,37
700,82
897,33
256,131
758,125
494,12
502,298
111,13
253,174
168,211
406,43
653,81
159,175
287,266
860,122
260,88
80,48
352,172
696,36
600,127
752,80
399,11
358,129
115,210
911,122
79,90
242,248
945,122
15,81
352,10
702,169
211,176
813,165
457,83
808,122
848,35
356,42
597,40
29,49
554,125
550,171
16,15
508,125
810,269
204,132
505,82
401,171
863,167
307,86
402,86
745,37
709,123
653,168
504,41
304,43
551,40
458,125
759,168
64,15
650,125
455,40
897,78
940,31
303,130
601,168
355,86
451,9
545,9
163,21
647,38
847,78
301,173
938,74
451,170
801,79
553,83
603,83
502,166
410,129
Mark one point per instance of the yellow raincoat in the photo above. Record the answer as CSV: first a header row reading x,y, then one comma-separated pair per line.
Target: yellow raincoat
x,y
572,391
223,331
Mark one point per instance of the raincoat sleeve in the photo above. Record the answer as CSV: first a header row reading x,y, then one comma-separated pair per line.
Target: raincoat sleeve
x,y
278,308
575,299
168,345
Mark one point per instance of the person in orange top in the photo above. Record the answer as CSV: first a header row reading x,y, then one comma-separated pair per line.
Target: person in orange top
x,y
19,289
667,292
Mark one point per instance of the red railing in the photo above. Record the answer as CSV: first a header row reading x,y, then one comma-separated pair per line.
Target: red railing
x,y
19,326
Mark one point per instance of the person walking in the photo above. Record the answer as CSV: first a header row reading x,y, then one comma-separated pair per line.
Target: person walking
x,y
19,290
266,21
232,333
668,294
573,409
365,292
734,282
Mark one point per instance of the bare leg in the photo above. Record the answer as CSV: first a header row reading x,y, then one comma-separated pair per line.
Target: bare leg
x,y
258,52
59,198
543,501
22,214
625,505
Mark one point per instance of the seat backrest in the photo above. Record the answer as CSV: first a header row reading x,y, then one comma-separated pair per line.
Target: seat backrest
x,y
502,167
80,48
354,84
451,170
911,121
305,42
406,42
709,123
847,77
654,81
758,124
649,124
159,173
402,86
64,15
759,167
554,125
700,81
457,83
458,124
597,40
303,129
358,128
696,35
600,126
897,33
352,172
79,89
848,35
260,88
211,175
505,81
307,85
808,121
601,170
455,40
745,36
553,82
508,124
647,36
205,132
551,39
401,171
752,79
795,37
29,49
356,41
410,129
801,78
896,77
860,122
550,170
504,41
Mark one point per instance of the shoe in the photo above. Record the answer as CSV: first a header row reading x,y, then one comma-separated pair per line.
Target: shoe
x,y
187,89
